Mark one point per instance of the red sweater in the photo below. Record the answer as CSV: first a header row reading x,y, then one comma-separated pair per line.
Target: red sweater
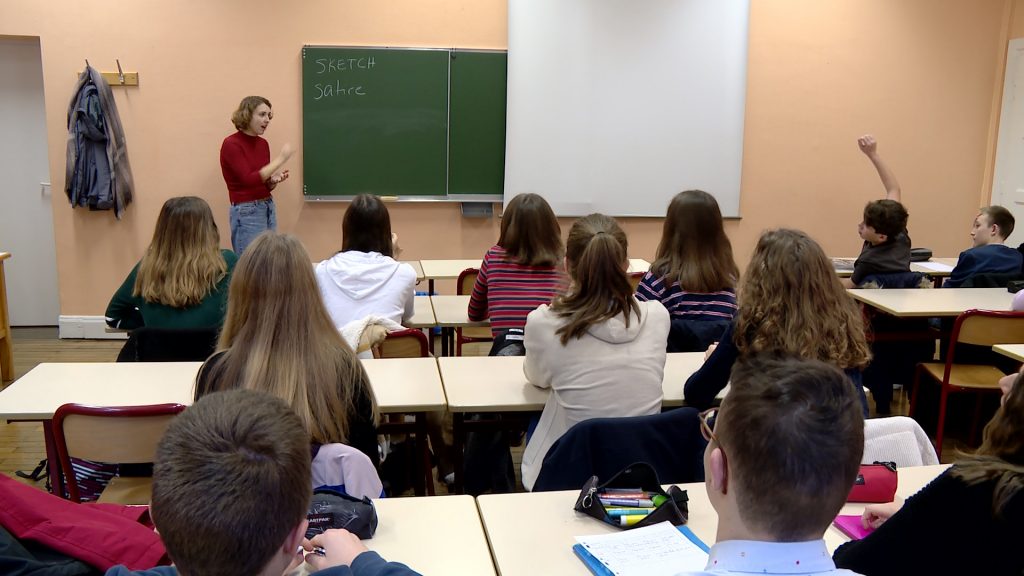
x,y
506,291
241,157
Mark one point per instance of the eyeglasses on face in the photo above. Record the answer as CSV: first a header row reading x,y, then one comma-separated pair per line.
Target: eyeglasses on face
x,y
707,424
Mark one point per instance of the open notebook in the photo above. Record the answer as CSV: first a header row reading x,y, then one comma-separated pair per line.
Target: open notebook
x,y
658,550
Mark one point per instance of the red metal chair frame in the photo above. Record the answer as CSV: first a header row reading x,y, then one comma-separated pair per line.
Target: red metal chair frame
x,y
60,442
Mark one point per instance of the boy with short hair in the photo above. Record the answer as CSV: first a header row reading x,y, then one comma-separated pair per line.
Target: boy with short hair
x,y
231,489
992,226
780,462
884,227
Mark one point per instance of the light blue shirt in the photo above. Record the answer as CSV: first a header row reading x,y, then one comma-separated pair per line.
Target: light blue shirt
x,y
750,557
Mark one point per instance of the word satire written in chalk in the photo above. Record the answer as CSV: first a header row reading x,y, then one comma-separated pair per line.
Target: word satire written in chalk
x,y
339,87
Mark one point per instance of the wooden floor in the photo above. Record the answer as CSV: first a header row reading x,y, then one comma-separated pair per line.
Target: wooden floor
x,y
21,443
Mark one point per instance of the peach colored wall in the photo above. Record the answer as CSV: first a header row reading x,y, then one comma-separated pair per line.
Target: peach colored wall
x,y
920,74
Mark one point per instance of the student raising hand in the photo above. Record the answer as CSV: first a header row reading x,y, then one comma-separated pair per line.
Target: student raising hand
x,y
867,144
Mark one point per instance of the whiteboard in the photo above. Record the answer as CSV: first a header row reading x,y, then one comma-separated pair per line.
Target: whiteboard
x,y
614,106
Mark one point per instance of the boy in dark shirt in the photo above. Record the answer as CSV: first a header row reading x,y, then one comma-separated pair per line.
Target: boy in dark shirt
x,y
884,227
992,226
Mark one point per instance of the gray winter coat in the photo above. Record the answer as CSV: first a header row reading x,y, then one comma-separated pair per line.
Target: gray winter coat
x,y
97,174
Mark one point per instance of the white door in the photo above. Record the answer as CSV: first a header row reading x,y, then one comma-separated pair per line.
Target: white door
x,y
1008,184
26,220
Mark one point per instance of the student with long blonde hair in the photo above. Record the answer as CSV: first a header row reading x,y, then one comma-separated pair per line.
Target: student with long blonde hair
x,y
182,279
969,520
790,302
694,274
278,338
599,349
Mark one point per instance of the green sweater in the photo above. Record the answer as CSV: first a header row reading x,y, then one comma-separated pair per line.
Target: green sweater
x,y
127,311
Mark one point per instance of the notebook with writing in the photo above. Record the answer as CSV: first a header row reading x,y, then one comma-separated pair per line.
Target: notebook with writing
x,y
656,550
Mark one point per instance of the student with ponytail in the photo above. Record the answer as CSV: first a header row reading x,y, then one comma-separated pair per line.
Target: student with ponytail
x,y
599,349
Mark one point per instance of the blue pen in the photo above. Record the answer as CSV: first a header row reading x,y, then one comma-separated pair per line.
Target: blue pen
x,y
635,503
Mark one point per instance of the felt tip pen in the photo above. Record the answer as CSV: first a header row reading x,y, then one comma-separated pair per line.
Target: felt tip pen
x,y
622,490
637,495
616,512
629,520
318,550
631,502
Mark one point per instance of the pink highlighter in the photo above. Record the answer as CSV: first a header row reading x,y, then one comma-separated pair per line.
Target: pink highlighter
x,y
852,526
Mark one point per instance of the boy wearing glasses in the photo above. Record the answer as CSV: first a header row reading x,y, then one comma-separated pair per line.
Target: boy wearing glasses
x,y
783,452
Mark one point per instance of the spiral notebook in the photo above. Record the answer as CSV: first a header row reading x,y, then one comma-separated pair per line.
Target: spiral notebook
x,y
659,550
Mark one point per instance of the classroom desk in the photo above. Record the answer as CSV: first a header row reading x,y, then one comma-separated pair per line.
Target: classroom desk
x,y
6,349
423,313
400,385
496,384
433,535
1015,351
450,269
937,268
550,534
914,302
452,312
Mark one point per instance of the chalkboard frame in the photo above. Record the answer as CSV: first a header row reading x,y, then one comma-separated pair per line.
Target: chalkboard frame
x,y
447,196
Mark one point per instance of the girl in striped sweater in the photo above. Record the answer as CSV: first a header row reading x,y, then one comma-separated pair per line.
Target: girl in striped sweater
x,y
694,274
524,269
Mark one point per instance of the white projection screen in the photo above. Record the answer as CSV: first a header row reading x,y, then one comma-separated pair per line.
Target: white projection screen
x,y
616,105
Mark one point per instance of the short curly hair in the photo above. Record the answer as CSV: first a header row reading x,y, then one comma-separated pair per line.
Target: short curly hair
x,y
887,217
243,116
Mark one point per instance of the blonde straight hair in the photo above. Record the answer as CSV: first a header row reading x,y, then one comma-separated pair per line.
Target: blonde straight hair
x,y
278,338
183,263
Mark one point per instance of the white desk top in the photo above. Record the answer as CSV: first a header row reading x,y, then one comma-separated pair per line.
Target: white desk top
x,y
1015,351
551,533
497,383
423,313
935,302
433,535
400,385
450,269
935,267
453,310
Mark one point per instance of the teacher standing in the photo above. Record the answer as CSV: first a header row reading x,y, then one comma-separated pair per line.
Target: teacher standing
x,y
249,172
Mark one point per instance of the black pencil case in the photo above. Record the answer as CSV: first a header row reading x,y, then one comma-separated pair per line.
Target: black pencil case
x,y
639,475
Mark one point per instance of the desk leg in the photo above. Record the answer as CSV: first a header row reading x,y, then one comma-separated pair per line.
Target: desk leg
x,y
430,287
458,445
425,478
52,461
6,349
446,337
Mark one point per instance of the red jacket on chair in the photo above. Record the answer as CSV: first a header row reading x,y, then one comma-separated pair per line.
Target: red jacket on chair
x,y
101,535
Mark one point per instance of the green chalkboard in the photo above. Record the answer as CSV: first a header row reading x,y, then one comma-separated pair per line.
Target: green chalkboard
x,y
403,122
476,147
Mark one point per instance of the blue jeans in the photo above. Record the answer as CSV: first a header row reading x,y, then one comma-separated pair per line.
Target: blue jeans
x,y
249,220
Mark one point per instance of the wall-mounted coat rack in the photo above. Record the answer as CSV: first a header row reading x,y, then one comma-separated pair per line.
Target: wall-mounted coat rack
x,y
119,78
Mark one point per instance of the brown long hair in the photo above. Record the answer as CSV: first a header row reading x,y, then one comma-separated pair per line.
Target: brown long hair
x,y
694,250
183,262
1001,454
530,232
278,338
367,226
596,256
791,301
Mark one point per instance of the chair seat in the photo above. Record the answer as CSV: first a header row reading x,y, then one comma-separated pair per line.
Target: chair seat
x,y
128,490
973,376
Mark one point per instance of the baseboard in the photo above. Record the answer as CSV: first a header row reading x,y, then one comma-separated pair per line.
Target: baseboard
x,y
88,327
